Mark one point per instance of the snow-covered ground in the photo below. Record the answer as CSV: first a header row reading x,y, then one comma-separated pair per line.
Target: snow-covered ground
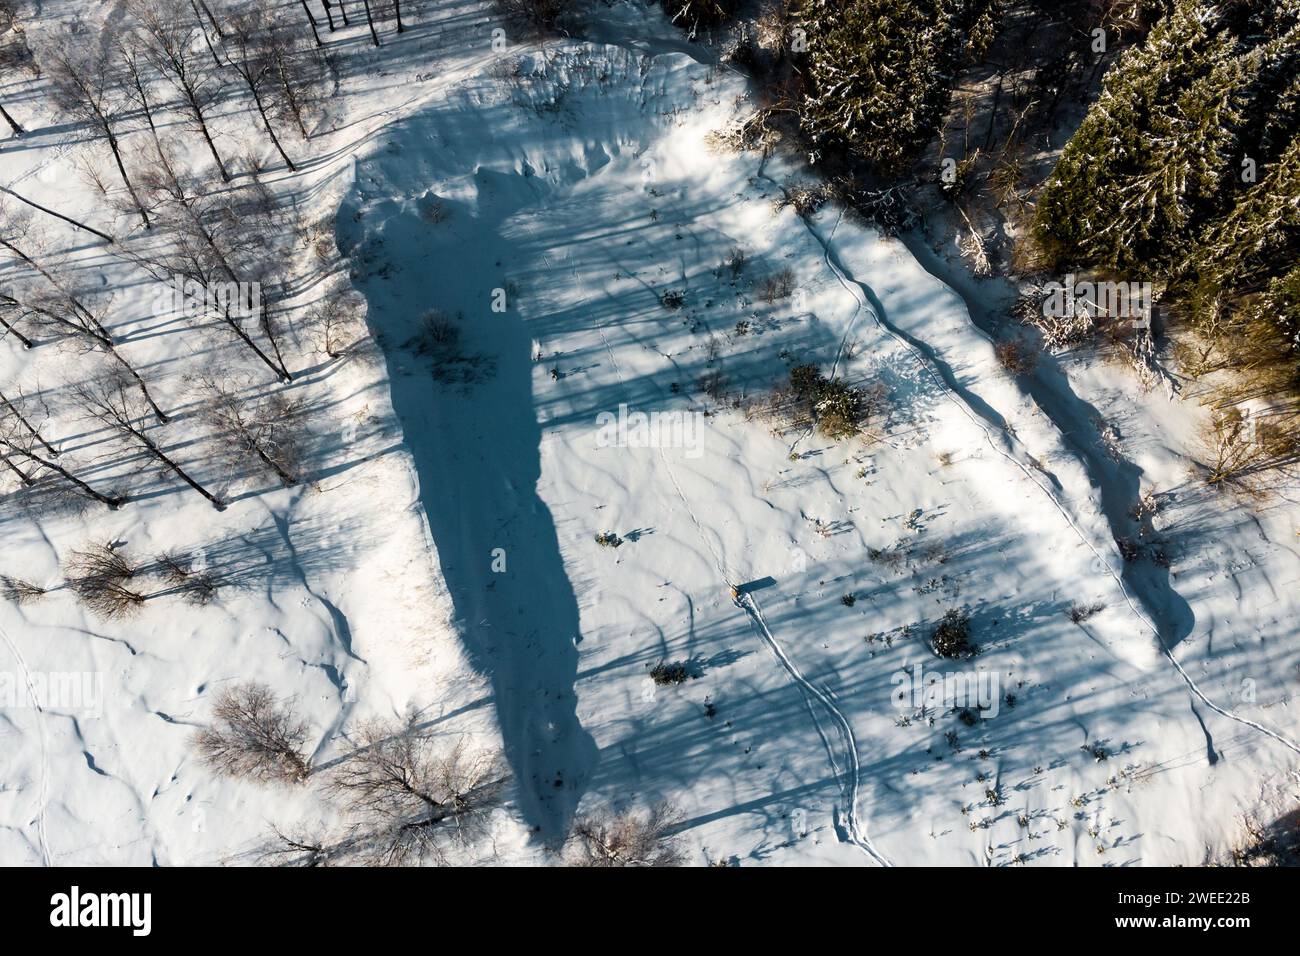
x,y
565,211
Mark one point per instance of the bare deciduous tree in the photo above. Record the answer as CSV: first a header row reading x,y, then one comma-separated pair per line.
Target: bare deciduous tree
x,y
24,420
250,32
299,72
87,85
266,429
14,235
335,323
111,401
255,735
413,797
218,241
20,440
166,31
609,839
84,331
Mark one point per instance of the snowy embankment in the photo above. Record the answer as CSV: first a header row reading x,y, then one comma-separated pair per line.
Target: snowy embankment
x,y
575,190
591,255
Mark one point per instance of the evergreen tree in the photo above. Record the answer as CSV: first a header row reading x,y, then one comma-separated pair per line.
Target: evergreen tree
x,y
880,72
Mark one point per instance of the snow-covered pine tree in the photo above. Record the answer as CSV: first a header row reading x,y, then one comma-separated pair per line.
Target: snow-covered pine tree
x,y
880,72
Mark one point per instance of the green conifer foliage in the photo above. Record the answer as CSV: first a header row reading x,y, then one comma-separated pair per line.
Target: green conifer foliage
x,y
880,72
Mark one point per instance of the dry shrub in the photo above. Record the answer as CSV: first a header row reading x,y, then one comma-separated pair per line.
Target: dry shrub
x,y
1238,450
18,591
1016,358
255,736
415,797
777,287
98,577
607,839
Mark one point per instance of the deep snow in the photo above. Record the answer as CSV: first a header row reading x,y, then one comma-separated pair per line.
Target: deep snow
x,y
445,562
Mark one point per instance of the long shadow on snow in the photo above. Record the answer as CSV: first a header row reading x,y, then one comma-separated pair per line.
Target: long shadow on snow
x,y
476,449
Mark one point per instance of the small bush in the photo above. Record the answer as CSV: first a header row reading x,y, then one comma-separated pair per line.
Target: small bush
x,y
18,591
951,636
609,840
98,576
438,334
255,736
675,672
777,287
415,796
673,300
849,600
1081,612
174,568
1016,358
608,539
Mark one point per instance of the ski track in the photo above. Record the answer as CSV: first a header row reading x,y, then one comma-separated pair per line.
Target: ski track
x,y
850,781
43,793
851,784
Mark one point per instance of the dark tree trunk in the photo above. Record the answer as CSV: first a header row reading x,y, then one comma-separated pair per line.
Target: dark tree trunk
x,y
28,426
397,9
265,322
76,304
207,137
285,477
311,20
211,19
374,34
121,168
280,371
56,215
25,478
112,502
257,99
158,413
329,14
27,343
179,471
13,124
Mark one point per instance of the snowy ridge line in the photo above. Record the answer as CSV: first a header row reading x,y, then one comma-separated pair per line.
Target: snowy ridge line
x,y
856,836
45,751
848,284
